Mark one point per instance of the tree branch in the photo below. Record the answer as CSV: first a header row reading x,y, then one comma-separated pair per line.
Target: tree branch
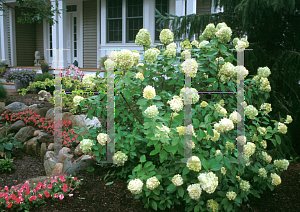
x,y
131,109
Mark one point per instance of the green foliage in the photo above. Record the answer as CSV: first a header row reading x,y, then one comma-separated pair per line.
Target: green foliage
x,y
8,143
3,92
41,78
6,165
2,70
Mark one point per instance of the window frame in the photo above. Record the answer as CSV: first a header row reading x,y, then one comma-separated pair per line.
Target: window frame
x,y
132,18
168,11
111,19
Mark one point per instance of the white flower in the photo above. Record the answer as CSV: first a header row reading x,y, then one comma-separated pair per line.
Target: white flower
x,y
266,157
282,128
215,137
172,46
251,111
88,80
249,149
149,92
223,170
264,144
143,38
263,72
218,152
177,180
152,111
186,54
189,93
176,104
194,164
189,67
224,125
124,59
166,36
109,64
139,76
102,138
203,44
135,186
288,119
262,173
241,139
77,100
194,191
120,158
208,181
231,195
136,57
227,69
244,185
276,180
151,55
164,129
235,117
241,45
224,34
209,31
86,145
152,183
267,107
203,104
281,164
241,71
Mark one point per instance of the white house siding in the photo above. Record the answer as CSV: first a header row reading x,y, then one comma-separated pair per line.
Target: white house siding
x,y
205,8
90,34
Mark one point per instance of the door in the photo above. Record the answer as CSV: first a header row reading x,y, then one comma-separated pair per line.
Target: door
x,y
72,37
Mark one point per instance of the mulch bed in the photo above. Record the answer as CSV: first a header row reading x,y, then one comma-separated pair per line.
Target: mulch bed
x,y
94,195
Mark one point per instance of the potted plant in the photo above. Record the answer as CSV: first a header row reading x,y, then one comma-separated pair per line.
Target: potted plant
x,y
21,77
44,66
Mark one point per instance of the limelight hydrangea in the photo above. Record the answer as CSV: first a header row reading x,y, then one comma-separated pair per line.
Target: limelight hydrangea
x,y
265,84
136,57
241,139
208,181
203,44
203,104
189,93
249,149
264,144
194,164
151,55
276,180
186,54
229,146
238,177
149,92
282,128
124,59
135,186
120,158
266,107
263,72
176,104
180,130
262,130
288,119
223,170
189,67
177,180
218,152
102,138
216,136
112,55
139,76
224,34
227,69
191,144
241,71
172,46
244,185
241,45
266,157
77,100
109,64
186,44
231,195
213,205
170,52
152,183
281,164
251,112
152,111
194,191
88,80
221,25
164,129
235,117
195,43
224,125
209,32
262,173
166,36
143,38
86,145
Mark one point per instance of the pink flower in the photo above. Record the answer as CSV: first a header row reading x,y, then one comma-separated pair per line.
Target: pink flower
x,y
70,195
55,195
65,188
61,196
50,185
32,198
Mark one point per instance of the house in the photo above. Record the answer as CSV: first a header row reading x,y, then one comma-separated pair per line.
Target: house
x,y
87,30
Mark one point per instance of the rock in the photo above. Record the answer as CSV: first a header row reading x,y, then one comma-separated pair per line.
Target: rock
x,y
33,108
2,106
49,162
81,165
43,151
32,147
78,121
16,107
44,95
50,114
45,138
58,168
42,112
81,121
2,132
50,147
16,126
63,154
78,151
37,132
66,116
24,134
67,165
41,179
93,122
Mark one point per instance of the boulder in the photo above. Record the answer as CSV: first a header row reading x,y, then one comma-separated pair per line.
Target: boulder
x,y
16,126
44,95
32,147
24,134
42,112
78,151
3,132
81,121
93,122
63,154
50,147
37,132
58,168
66,116
81,165
78,121
16,107
33,108
50,114
2,106
45,138
49,162
43,151
67,165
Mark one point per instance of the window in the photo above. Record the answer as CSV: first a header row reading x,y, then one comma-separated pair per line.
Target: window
x,y
114,21
134,19
71,8
163,7
50,41
75,36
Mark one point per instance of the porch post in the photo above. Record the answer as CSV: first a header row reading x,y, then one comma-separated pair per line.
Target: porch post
x,y
180,8
191,6
4,36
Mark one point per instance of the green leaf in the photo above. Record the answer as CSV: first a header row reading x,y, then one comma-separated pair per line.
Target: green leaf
x,y
156,150
211,80
278,139
148,163
171,188
215,86
204,163
109,183
142,158
90,169
221,193
197,208
180,191
142,102
8,146
185,171
126,94
210,131
216,167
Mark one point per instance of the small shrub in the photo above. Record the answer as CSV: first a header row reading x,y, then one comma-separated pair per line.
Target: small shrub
x,y
6,165
3,92
2,71
43,77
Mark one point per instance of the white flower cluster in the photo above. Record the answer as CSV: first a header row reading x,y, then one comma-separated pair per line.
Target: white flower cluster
x,y
288,119
262,130
215,137
266,107
112,56
186,54
251,112
136,57
265,84
266,157
164,129
231,195
281,164
140,76
249,149
224,125
213,205
189,130
208,181
172,45
218,152
77,100
240,44
195,43
189,67
188,94
152,111
264,144
282,128
202,44
235,117
143,38
102,138
88,80
135,186
241,139
186,44
166,36
229,146
194,164
262,173
203,104
124,59
223,170
209,31
170,51
244,185
263,72
109,64
241,72
194,191
227,71
177,180
120,158
176,104
276,180
224,33
152,183
86,145
149,92
151,55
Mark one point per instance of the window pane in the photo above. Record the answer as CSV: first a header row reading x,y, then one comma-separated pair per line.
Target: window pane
x,y
114,30
75,37
114,9
134,19
75,53
133,26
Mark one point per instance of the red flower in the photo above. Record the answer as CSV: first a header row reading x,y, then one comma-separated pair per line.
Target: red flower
x,y
9,205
